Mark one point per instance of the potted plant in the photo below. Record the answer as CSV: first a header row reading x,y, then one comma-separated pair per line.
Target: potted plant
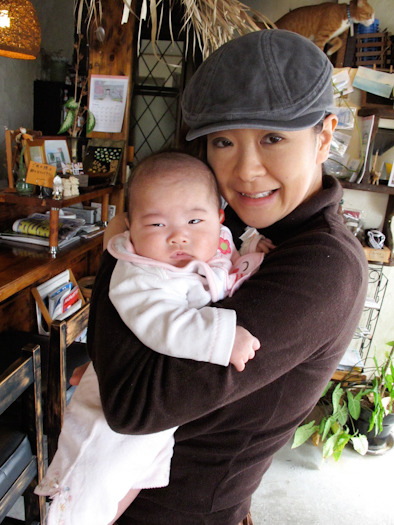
x,y
75,111
360,413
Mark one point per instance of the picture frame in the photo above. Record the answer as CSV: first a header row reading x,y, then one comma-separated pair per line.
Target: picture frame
x,y
57,152
35,151
102,160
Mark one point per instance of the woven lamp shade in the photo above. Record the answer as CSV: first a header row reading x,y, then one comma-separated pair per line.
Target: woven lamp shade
x,y
20,32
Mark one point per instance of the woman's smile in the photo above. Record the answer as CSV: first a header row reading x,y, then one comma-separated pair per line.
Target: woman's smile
x,y
264,175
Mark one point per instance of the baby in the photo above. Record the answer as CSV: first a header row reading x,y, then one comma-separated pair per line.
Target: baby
x,y
175,259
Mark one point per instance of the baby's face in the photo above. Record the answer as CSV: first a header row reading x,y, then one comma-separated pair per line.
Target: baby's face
x,y
175,220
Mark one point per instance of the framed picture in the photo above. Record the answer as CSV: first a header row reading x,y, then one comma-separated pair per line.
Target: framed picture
x,y
102,160
56,152
35,151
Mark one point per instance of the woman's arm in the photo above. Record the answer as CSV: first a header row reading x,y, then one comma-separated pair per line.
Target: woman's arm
x,y
303,306
116,225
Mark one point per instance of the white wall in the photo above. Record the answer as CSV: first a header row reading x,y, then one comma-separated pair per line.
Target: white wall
x,y
17,76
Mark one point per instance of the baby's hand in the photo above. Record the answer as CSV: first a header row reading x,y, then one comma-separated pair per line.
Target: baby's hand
x,y
264,245
244,348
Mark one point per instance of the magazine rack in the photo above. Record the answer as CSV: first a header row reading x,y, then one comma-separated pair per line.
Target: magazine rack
x,y
42,306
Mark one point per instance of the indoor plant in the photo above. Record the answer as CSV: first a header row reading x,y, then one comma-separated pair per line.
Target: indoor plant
x,y
344,404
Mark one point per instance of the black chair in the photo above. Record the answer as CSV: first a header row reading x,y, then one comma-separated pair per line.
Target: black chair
x,y
21,432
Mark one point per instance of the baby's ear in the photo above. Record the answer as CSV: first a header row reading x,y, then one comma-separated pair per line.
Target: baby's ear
x,y
221,215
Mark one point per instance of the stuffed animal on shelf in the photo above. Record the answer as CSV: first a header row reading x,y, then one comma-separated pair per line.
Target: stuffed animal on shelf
x,y
323,23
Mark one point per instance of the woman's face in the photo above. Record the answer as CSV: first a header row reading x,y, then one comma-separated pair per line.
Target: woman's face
x,y
264,175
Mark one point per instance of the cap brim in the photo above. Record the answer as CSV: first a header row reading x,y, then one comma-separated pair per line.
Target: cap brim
x,y
304,122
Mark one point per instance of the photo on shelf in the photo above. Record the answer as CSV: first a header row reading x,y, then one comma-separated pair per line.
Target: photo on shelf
x,y
35,151
56,153
102,160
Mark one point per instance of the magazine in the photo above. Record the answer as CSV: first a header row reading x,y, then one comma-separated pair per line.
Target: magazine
x,y
38,224
35,229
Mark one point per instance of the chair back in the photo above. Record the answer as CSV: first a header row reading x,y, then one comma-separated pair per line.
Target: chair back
x,y
20,380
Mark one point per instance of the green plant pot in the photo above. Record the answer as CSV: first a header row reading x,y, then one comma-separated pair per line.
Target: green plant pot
x,y
380,441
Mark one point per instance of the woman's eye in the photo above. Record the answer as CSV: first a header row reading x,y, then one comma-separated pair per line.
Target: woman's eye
x,y
221,142
194,221
272,139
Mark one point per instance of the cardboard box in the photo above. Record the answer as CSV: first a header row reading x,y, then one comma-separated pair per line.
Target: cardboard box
x,y
376,255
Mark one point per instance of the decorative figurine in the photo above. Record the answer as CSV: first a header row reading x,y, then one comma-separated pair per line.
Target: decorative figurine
x,y
57,188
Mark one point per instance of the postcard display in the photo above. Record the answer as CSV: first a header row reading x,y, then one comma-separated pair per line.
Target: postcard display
x,y
57,299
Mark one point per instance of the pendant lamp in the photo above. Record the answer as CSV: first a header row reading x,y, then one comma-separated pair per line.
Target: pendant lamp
x,y
20,32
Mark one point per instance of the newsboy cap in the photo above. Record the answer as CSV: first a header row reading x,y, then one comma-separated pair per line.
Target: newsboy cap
x,y
271,79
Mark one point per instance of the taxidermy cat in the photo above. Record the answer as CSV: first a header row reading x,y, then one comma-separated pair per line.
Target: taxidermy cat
x,y
322,23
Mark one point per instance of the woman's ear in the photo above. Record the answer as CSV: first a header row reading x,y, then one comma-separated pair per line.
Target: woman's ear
x,y
324,138
221,215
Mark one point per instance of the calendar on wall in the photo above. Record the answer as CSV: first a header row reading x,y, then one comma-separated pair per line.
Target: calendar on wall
x,y
107,102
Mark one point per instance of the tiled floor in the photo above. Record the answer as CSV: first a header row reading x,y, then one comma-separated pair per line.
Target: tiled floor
x,y
301,489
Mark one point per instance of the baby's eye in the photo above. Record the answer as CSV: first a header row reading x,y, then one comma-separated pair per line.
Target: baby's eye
x,y
194,221
221,142
158,224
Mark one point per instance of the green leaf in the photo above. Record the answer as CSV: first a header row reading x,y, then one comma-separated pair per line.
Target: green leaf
x,y
354,405
303,433
71,104
336,397
342,414
68,121
91,122
327,427
335,444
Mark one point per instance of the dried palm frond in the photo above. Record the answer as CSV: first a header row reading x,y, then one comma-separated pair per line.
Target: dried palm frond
x,y
211,22
215,22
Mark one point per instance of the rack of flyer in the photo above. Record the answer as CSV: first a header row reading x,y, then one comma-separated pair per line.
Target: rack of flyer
x,y
56,299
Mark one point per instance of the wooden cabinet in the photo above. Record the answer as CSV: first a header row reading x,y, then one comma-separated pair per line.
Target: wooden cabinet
x,y
21,269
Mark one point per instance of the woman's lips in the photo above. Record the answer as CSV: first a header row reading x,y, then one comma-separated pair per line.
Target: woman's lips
x,y
260,195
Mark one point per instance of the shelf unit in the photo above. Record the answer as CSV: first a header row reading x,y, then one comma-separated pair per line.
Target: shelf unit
x,y
377,287
11,196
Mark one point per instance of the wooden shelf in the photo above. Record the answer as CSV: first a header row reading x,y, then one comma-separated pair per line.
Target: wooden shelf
x,y
380,188
10,196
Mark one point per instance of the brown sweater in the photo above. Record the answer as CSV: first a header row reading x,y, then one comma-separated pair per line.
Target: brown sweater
x,y
303,305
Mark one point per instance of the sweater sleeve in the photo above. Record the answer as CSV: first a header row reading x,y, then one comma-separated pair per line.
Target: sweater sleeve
x,y
303,305
156,309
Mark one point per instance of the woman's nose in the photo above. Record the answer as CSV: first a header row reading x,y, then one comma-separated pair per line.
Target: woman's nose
x,y
250,165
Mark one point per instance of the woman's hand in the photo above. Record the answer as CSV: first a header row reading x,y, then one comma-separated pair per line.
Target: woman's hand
x,y
116,225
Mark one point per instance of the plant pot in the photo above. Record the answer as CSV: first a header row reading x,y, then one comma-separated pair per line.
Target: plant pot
x,y
382,441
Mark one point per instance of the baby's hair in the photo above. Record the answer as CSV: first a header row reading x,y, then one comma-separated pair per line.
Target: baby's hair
x,y
176,160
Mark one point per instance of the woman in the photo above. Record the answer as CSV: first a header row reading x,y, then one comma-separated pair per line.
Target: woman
x,y
262,105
